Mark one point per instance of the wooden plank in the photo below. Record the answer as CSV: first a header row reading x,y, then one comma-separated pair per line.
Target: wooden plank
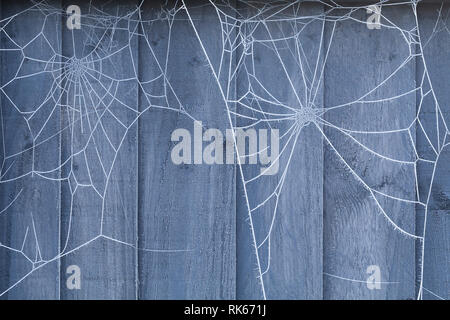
x,y
29,203
285,219
433,263
187,211
99,208
360,236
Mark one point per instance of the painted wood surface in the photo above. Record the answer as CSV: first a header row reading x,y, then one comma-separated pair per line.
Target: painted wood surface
x,y
286,207
141,227
99,205
434,113
360,222
33,233
186,212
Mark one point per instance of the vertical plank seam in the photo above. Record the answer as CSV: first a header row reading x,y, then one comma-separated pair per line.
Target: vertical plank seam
x,y
417,61
323,171
1,118
136,270
323,176
235,176
61,2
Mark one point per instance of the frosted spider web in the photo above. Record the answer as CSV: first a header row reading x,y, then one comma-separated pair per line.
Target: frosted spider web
x,y
89,94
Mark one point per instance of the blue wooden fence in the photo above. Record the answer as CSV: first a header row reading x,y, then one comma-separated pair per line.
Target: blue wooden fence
x,y
93,207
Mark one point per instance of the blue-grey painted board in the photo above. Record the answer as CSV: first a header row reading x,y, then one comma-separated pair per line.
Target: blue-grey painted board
x,y
99,204
29,205
286,207
186,212
434,265
357,233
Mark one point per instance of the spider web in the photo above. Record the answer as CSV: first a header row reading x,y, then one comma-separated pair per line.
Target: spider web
x,y
91,96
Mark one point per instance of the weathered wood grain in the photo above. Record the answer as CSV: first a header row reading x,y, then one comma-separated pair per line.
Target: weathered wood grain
x,y
434,265
356,232
288,227
30,224
141,227
102,148
186,212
